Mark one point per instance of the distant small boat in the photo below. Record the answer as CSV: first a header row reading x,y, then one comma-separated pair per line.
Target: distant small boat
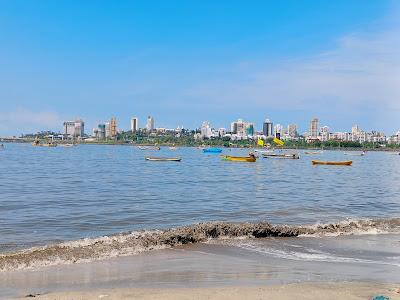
x,y
312,152
332,163
250,158
149,148
263,151
172,148
355,154
66,145
283,155
212,150
163,158
49,144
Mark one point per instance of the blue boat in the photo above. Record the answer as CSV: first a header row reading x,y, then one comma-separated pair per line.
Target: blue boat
x,y
212,150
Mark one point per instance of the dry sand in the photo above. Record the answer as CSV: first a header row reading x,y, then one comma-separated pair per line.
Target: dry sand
x,y
300,291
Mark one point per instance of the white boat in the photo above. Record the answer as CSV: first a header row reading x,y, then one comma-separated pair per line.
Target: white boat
x,y
281,155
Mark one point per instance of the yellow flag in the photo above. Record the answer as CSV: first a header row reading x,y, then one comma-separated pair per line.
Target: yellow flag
x,y
260,142
278,141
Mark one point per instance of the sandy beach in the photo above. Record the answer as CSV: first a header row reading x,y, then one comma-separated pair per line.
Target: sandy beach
x,y
301,291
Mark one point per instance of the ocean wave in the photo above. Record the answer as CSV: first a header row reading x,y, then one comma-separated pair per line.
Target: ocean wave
x,y
130,243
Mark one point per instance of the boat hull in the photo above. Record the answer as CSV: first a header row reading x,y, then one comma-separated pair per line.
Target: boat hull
x,y
212,150
163,159
287,156
239,158
332,163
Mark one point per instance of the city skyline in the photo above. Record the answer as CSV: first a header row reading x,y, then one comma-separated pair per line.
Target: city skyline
x,y
186,63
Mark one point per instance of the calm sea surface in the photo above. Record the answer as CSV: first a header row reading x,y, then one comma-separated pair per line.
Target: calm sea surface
x,y
57,194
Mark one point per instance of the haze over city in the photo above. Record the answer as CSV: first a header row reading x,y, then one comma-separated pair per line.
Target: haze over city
x,y
186,62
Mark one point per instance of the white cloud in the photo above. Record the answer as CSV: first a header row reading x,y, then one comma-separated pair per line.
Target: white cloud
x,y
361,74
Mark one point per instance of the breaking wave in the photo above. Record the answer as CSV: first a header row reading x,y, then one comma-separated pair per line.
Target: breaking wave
x,y
130,243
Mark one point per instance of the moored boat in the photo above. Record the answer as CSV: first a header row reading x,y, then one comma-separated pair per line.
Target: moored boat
x,y
281,155
250,158
212,150
312,152
49,144
332,163
149,158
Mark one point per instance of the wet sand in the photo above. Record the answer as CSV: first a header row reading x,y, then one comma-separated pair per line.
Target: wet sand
x,y
205,271
302,291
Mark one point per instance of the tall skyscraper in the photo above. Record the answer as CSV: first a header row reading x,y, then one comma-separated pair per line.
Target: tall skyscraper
x,y
268,128
314,124
150,124
113,127
134,124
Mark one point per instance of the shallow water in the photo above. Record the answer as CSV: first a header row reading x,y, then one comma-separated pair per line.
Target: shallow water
x,y
58,194
50,195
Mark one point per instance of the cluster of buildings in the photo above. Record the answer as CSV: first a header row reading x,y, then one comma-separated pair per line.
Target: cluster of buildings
x,y
246,130
239,130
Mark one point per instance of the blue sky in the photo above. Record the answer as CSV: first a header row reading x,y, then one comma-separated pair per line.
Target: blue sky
x,y
184,62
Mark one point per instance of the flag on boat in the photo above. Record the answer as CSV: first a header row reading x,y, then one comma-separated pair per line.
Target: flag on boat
x,y
278,141
260,142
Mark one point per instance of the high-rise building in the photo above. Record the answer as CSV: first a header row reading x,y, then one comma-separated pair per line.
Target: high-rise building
x,y
278,128
292,130
249,129
134,124
324,130
314,124
69,128
206,131
74,128
113,127
101,131
239,128
268,128
150,124
107,129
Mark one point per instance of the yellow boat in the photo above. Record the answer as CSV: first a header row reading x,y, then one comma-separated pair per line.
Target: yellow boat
x,y
332,163
50,144
250,158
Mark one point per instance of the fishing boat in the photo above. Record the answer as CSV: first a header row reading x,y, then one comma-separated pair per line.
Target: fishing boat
x,y
263,151
250,158
355,154
281,155
312,152
49,144
212,150
332,163
163,158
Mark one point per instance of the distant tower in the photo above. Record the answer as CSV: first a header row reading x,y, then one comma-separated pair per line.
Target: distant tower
x,y
314,125
150,123
268,128
134,124
113,127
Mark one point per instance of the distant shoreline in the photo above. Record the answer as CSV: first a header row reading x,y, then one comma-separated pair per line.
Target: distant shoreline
x,y
129,143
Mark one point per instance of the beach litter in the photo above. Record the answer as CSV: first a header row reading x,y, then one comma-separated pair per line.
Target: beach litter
x,y
380,297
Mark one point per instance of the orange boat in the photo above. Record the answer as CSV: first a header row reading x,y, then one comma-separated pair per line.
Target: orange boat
x,y
332,163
